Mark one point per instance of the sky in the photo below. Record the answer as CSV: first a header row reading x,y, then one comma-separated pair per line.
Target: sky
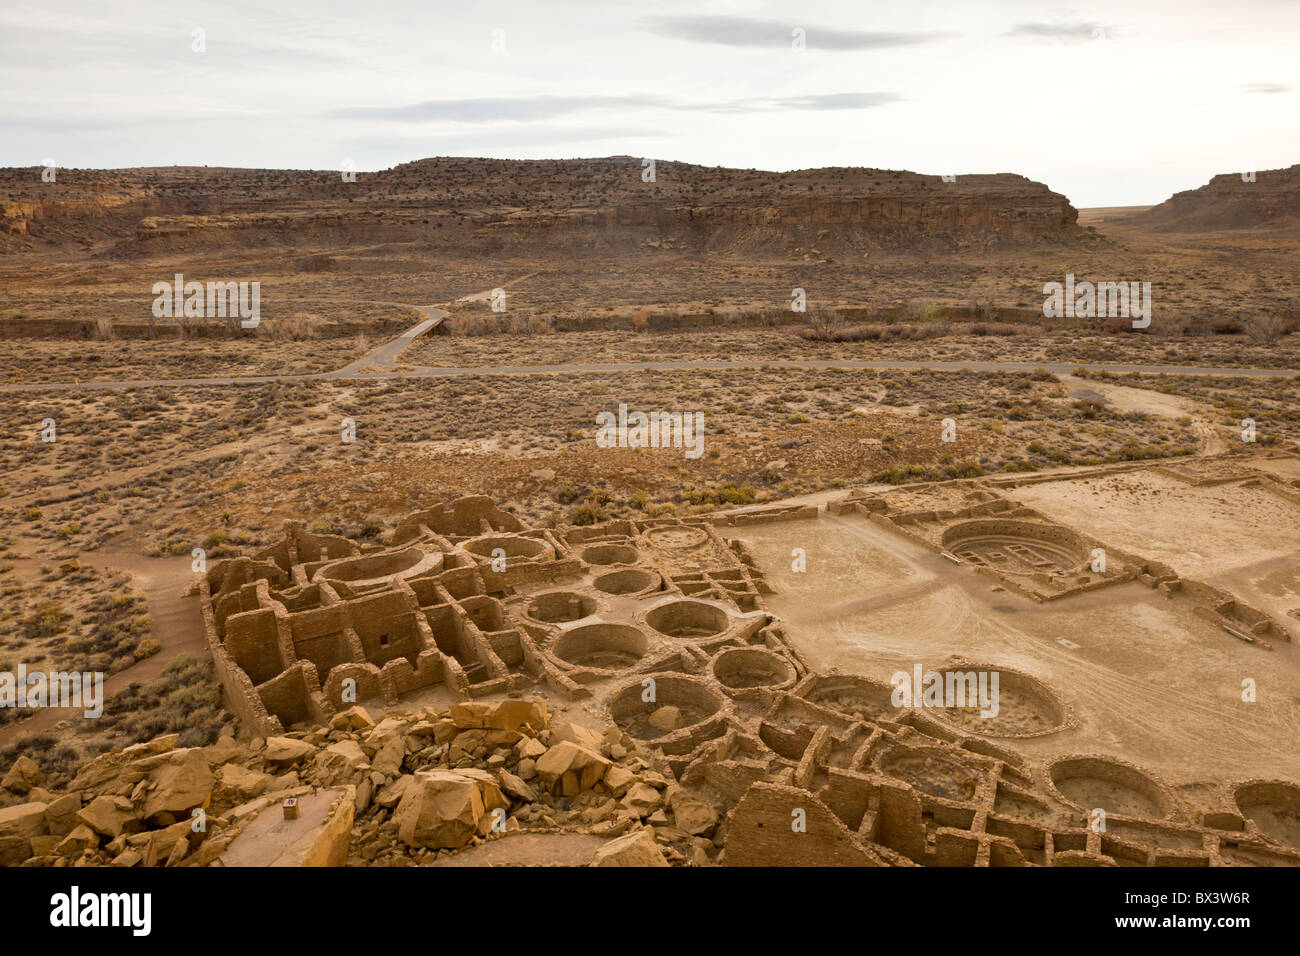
x,y
1109,103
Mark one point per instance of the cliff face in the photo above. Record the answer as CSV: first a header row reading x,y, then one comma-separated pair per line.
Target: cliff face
x,y
570,202
99,218
1229,201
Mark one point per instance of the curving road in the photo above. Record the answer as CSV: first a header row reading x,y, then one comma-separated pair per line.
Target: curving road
x,y
379,364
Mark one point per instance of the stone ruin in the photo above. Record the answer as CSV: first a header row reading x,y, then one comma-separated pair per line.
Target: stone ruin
x,y
658,627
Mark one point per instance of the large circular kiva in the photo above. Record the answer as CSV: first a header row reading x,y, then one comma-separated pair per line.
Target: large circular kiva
x,y
1015,546
745,668
512,546
678,702
372,568
1274,806
687,619
627,581
1122,790
604,646
853,696
610,554
997,702
555,607
932,772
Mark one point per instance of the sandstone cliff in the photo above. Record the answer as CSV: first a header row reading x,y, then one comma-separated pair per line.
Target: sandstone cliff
x,y
585,204
1232,201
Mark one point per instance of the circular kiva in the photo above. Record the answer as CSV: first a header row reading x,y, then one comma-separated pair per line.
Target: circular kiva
x,y
677,537
375,568
611,554
677,703
1023,706
603,646
633,581
858,697
687,619
512,546
555,607
1274,806
931,772
1090,783
744,668
1015,546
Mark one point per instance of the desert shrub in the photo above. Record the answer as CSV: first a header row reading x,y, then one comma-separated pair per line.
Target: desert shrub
x,y
1269,329
733,495
297,328
821,325
567,494
103,330
588,513
45,621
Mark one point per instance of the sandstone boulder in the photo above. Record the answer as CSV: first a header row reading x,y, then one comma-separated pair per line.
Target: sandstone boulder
x,y
519,715
14,849
236,784
442,810
667,718
576,733
470,715
389,757
108,816
61,814
569,769
354,718
81,839
637,848
618,780
337,762
692,815
515,788
641,799
24,773
281,751
178,788
23,819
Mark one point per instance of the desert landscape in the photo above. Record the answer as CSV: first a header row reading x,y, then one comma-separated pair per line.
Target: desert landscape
x,y
370,558
512,498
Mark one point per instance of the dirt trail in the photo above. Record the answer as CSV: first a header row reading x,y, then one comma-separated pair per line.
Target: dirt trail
x,y
1124,398
177,626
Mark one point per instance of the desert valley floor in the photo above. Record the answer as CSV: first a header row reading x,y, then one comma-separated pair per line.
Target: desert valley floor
x,y
367,589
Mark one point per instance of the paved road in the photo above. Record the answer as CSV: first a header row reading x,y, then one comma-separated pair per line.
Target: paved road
x,y
379,364
388,352
1057,368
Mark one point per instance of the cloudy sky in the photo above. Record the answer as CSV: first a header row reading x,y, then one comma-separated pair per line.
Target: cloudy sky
x,y
1110,103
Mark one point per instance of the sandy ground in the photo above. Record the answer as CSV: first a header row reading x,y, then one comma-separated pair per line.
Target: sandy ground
x,y
1236,536
1144,677
177,626
529,849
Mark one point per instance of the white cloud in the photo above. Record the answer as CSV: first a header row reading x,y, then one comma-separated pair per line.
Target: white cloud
x,y
1107,102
